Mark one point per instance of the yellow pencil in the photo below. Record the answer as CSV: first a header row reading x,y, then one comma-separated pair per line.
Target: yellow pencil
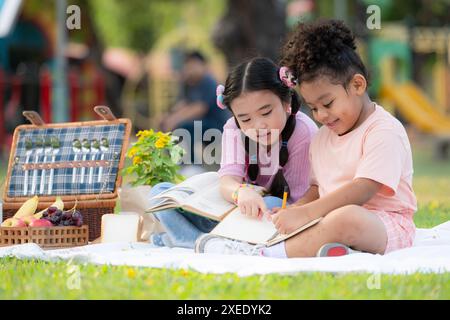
x,y
285,195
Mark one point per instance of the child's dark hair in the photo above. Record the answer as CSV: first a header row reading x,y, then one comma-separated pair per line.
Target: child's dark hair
x,y
255,75
323,48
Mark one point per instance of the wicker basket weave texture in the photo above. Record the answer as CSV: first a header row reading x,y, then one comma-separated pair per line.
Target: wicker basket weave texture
x,y
46,237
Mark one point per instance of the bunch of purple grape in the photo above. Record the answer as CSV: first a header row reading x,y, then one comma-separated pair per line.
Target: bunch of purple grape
x,y
63,218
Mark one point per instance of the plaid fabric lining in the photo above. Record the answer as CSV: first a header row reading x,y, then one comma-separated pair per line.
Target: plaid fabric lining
x,y
62,181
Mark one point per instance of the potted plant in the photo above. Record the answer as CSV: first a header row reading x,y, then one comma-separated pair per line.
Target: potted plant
x,y
155,158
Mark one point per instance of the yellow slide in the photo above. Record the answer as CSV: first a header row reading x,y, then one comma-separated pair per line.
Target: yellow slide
x,y
416,108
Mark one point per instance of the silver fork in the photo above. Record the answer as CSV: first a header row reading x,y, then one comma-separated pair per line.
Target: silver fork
x,y
47,151
28,153
95,148
76,147
39,150
56,144
85,149
104,147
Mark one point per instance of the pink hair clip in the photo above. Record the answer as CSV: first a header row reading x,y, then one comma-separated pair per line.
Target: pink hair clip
x,y
287,78
219,93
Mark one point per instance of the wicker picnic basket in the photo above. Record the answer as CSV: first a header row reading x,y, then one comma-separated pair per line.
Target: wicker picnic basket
x,y
46,237
86,178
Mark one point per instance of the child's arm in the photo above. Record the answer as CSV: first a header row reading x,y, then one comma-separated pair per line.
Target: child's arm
x,y
249,201
309,196
228,184
184,113
357,192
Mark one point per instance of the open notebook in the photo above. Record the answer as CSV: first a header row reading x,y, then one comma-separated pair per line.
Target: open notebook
x,y
256,231
201,195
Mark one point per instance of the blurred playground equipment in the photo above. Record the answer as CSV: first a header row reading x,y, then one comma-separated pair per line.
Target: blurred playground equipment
x,y
391,52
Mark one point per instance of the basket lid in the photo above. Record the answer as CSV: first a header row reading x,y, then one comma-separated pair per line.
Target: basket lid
x,y
74,160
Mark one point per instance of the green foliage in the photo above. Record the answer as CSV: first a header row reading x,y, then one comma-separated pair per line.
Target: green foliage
x,y
131,23
155,159
139,24
417,12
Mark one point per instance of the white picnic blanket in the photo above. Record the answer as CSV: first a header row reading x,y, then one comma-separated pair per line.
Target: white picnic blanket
x,y
430,253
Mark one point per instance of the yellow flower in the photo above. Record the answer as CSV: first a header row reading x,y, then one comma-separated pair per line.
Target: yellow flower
x,y
144,134
160,144
137,160
184,272
131,273
163,140
132,151
149,281
164,136
434,205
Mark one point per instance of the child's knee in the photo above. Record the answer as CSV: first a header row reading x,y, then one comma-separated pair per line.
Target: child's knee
x,y
344,223
272,202
160,187
342,217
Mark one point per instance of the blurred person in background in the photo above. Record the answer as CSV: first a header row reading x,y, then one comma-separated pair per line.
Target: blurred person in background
x,y
196,100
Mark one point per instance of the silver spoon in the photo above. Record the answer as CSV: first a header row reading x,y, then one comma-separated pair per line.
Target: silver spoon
x,y
95,148
56,144
85,149
39,150
28,153
76,147
47,151
104,147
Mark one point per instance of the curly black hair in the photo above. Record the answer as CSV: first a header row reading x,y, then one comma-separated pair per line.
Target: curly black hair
x,y
322,48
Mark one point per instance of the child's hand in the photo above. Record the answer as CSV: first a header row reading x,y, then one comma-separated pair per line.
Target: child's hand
x,y
251,203
289,219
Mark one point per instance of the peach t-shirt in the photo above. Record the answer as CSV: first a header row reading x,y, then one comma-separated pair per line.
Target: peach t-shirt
x,y
378,149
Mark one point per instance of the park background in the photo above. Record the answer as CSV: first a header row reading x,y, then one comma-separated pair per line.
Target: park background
x,y
128,55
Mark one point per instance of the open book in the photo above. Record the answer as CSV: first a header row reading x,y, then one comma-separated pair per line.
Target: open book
x,y
201,195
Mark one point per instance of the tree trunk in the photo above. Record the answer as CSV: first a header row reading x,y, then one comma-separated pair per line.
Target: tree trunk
x,y
251,28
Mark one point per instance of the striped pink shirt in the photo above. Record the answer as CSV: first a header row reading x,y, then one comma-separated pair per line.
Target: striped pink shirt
x,y
297,169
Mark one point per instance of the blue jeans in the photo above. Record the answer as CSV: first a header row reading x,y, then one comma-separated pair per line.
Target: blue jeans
x,y
183,228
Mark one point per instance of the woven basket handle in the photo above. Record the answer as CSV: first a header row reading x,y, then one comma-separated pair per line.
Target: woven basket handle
x,y
34,118
105,113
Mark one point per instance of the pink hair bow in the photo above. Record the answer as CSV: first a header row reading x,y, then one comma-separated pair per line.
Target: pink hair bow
x,y
219,93
287,78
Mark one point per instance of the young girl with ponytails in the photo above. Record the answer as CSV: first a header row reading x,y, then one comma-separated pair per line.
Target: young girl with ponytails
x,y
265,144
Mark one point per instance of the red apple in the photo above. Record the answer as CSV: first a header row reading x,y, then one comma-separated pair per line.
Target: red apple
x,y
28,219
19,223
41,223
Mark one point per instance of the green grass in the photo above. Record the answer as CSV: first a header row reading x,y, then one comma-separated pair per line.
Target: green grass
x,y
30,279
39,280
